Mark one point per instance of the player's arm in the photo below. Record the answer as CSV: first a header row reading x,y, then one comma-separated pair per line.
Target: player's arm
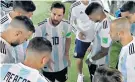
x,y
67,44
72,20
105,45
103,52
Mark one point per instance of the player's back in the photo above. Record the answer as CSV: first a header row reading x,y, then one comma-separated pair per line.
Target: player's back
x,y
20,73
126,61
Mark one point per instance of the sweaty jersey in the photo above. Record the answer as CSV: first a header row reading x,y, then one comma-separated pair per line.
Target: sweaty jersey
x,y
20,73
57,36
80,21
102,39
127,61
6,52
5,21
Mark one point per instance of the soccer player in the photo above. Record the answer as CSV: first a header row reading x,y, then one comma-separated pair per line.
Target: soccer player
x,y
38,54
105,74
120,31
18,31
99,54
25,8
128,10
58,32
84,31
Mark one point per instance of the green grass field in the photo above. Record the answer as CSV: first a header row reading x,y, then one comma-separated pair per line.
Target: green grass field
x,y
42,12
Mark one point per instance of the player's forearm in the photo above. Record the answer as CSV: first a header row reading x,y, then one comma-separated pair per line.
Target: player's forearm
x,y
67,45
100,54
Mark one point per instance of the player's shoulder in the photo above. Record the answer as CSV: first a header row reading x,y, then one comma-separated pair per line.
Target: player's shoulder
x,y
131,48
75,4
3,49
4,19
42,22
65,21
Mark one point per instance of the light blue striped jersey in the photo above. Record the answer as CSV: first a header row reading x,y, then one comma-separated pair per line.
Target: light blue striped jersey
x,y
20,73
127,61
102,39
133,29
57,36
19,51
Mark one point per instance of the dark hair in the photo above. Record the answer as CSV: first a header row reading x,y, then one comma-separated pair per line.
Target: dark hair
x,y
27,6
25,21
92,8
128,6
58,4
105,74
40,44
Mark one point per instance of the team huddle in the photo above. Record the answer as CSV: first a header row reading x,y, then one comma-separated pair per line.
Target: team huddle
x,y
41,54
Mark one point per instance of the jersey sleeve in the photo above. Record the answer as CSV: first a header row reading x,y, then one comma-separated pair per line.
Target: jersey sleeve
x,y
68,34
105,36
72,18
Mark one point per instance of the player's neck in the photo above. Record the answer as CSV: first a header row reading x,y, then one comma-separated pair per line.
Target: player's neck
x,y
29,64
85,2
103,16
126,40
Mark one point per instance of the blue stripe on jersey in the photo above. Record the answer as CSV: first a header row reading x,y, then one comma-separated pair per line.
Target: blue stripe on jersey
x,y
55,51
65,29
123,67
16,55
25,44
4,70
107,60
43,31
24,73
133,29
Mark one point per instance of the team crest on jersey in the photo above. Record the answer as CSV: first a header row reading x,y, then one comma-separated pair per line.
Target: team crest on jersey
x,y
63,34
46,34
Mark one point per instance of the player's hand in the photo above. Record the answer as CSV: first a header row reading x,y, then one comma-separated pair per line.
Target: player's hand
x,y
82,36
89,49
88,62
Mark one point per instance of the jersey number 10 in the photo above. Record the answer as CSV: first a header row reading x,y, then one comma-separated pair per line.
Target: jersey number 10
x,y
55,40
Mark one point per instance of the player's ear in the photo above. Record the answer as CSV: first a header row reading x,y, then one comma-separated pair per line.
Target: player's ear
x,y
18,33
45,60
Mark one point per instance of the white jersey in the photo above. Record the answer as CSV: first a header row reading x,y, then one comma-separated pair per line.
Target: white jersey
x,y
20,73
5,52
127,61
19,51
5,21
57,36
80,21
102,39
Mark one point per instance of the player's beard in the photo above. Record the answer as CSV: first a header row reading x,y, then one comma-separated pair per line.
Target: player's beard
x,y
14,44
97,21
55,22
